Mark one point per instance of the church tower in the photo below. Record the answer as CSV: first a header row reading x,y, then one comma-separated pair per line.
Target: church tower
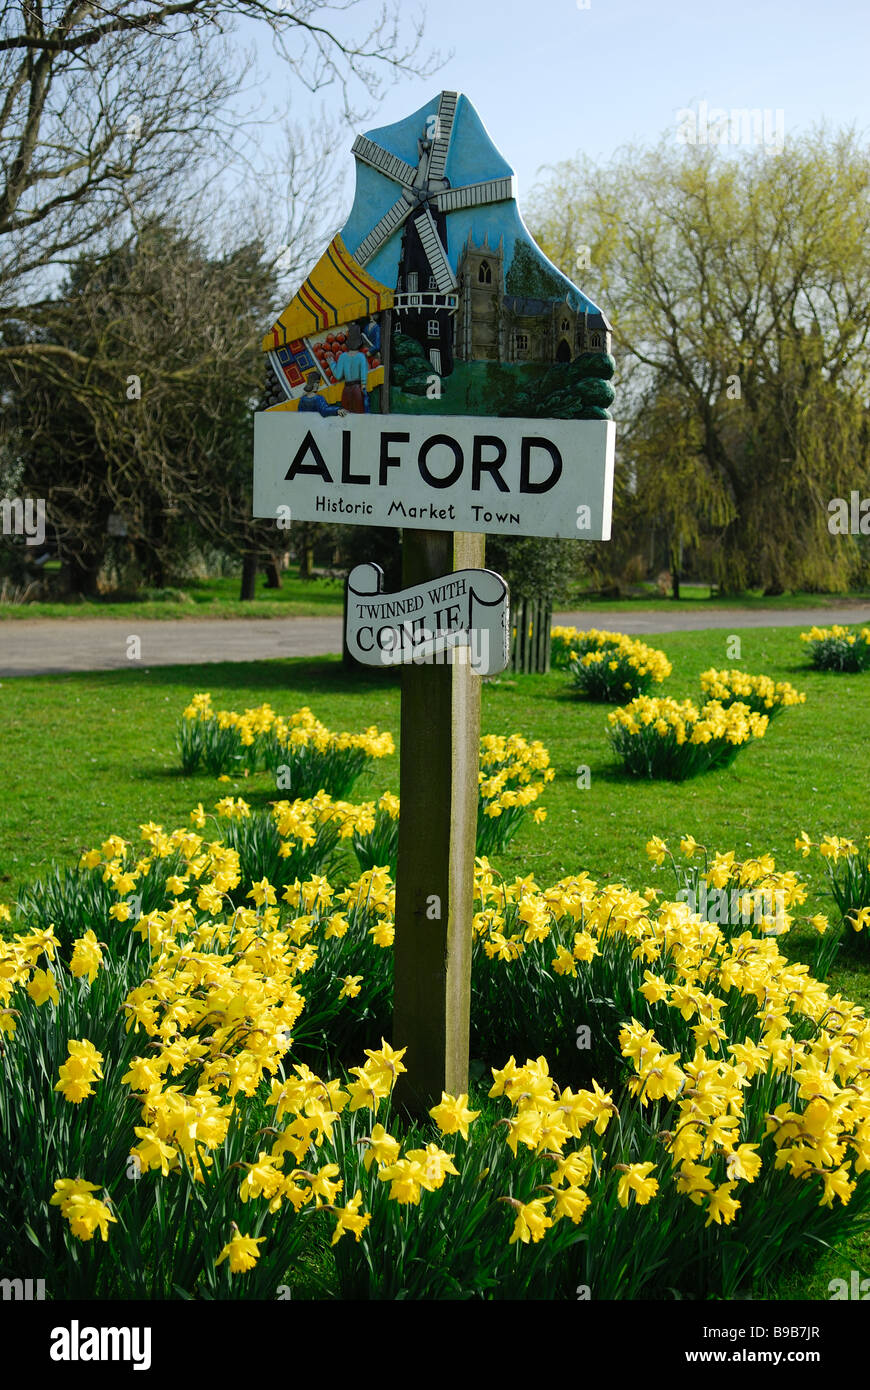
x,y
480,319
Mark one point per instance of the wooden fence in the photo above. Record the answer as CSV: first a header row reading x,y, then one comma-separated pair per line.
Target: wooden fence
x,y
530,636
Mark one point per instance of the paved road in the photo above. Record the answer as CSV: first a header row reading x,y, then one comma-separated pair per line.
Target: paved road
x,y
55,646
684,620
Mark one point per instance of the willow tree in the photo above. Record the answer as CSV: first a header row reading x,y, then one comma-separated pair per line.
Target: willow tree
x,y
740,286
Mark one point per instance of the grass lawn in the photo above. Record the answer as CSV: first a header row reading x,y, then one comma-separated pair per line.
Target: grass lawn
x,y
90,754
321,598
696,598
204,598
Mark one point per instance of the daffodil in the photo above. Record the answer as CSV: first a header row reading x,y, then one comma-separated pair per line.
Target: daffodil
x,y
721,1207
452,1115
86,1215
350,1219
42,987
406,1179
635,1178
241,1251
87,956
656,848
381,1148
531,1221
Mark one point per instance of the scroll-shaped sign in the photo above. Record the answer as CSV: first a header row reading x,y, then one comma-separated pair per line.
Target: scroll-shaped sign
x,y
463,616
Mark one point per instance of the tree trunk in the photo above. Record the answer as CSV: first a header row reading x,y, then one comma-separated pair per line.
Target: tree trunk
x,y
676,559
79,575
306,562
249,575
349,662
273,573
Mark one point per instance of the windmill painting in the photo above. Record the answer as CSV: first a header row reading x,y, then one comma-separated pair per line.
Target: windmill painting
x,y
434,297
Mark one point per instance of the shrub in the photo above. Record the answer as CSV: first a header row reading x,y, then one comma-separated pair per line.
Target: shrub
x,y
513,773
378,844
568,642
619,672
505,791
608,665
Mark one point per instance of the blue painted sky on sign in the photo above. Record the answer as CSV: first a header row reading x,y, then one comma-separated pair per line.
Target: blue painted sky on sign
x,y
472,158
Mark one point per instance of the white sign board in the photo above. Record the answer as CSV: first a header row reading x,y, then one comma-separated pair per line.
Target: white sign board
x,y
437,473
463,616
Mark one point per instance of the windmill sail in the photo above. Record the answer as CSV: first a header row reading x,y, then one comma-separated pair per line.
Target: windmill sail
x,y
383,230
435,253
443,131
385,163
473,195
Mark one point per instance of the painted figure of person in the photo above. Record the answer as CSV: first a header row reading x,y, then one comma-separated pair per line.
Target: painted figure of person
x,y
311,399
352,368
372,334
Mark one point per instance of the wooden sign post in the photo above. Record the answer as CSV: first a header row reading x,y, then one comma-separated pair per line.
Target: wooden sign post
x,y
440,754
436,373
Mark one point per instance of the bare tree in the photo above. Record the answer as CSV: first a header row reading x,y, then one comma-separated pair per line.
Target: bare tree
x,y
158,427
109,110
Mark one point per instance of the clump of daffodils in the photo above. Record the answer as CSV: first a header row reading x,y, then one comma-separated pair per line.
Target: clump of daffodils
x,y
567,643
513,773
734,893
305,755
847,866
609,666
759,693
691,1070
376,840
837,648
670,739
737,1089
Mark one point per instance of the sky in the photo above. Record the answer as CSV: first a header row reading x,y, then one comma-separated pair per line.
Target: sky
x,y
551,78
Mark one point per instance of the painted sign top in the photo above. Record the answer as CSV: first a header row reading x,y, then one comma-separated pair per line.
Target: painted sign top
x,y
434,301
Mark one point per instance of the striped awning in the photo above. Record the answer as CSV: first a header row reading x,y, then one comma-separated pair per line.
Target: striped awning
x,y
337,291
